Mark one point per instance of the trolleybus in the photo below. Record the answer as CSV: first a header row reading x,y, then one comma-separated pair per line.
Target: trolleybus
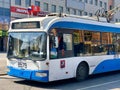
x,y
53,48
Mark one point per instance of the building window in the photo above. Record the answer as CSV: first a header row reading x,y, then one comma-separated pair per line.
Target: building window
x,y
80,0
6,1
100,3
28,3
85,13
6,5
61,9
96,2
53,8
116,20
90,14
17,2
45,8
91,2
6,12
74,11
68,10
80,13
110,7
37,3
86,1
105,6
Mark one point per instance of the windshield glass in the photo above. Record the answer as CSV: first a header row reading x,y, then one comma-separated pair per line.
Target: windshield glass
x,y
30,45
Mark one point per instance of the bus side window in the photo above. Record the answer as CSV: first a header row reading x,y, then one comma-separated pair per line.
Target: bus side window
x,y
62,46
79,49
110,49
65,45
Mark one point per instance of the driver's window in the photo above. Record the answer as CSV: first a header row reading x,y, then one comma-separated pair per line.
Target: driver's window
x,y
53,44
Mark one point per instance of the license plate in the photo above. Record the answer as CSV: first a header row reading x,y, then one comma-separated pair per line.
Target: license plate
x,y
22,64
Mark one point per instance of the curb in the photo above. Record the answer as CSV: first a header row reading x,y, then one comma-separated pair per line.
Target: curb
x,y
3,64
3,74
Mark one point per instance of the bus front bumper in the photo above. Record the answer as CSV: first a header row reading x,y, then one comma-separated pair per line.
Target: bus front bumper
x,y
36,75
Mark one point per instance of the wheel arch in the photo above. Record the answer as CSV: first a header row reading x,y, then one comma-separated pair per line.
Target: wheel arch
x,y
86,66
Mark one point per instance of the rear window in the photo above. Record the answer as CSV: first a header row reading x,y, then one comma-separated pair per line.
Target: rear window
x,y
26,25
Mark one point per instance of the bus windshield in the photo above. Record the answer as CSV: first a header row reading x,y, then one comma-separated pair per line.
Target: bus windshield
x,y
27,45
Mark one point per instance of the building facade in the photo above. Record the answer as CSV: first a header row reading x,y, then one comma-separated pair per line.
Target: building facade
x,y
16,9
19,7
75,7
4,23
91,6
117,14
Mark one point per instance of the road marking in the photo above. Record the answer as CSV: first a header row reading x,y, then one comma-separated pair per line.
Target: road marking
x,y
98,85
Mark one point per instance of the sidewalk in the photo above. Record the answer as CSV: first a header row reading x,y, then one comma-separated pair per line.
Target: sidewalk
x,y
3,64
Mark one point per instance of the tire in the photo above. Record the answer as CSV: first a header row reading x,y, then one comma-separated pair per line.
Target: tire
x,y
82,72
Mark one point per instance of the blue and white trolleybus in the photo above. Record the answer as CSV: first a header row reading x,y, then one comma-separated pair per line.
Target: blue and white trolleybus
x,y
54,48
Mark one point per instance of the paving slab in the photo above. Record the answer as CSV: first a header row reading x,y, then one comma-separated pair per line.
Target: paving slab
x,y
3,64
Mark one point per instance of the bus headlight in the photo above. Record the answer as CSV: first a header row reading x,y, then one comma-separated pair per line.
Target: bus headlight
x,y
38,74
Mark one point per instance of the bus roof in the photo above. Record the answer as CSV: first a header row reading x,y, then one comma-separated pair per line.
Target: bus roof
x,y
73,23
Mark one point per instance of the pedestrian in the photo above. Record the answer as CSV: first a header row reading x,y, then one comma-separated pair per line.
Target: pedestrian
x,y
62,45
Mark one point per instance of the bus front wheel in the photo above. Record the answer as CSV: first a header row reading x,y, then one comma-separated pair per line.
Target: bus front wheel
x,y
82,71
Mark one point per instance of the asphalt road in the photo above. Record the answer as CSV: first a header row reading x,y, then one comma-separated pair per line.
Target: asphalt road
x,y
106,81
109,81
